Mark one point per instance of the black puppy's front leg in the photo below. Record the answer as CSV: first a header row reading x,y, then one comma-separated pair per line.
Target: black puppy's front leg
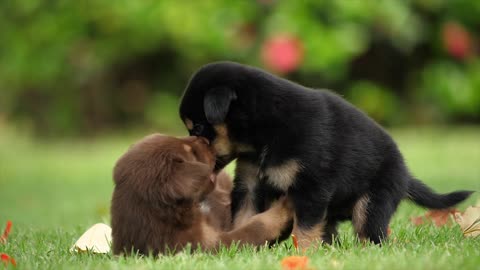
x,y
245,182
242,206
310,215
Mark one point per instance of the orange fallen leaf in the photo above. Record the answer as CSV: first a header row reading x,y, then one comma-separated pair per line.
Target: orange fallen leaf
x,y
295,263
7,259
437,217
6,232
469,221
295,241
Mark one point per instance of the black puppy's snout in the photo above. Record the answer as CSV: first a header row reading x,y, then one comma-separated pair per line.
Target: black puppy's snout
x,y
197,130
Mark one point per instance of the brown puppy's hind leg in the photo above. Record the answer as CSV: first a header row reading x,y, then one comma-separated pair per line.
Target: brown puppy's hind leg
x,y
261,228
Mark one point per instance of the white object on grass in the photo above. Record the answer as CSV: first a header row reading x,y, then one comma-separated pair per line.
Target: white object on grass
x,y
97,239
469,221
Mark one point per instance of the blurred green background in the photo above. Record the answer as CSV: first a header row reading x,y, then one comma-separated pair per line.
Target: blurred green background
x,y
75,68
81,80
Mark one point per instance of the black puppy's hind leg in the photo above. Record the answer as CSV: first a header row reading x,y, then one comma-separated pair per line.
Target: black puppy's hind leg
x,y
331,232
372,213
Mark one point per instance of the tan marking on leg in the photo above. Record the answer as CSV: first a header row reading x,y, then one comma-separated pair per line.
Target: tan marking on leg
x,y
248,173
188,124
283,176
359,215
308,237
221,143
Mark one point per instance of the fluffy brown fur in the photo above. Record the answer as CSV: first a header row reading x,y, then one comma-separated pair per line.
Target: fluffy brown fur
x,y
165,198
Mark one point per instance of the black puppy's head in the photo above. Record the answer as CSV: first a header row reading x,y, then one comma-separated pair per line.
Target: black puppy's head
x,y
206,108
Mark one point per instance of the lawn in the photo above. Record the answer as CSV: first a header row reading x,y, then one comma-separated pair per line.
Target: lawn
x,y
53,191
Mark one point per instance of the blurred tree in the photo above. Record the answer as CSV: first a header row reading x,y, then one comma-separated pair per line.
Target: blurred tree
x,y
70,67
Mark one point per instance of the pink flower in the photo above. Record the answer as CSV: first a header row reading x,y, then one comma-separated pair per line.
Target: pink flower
x,y
282,53
457,40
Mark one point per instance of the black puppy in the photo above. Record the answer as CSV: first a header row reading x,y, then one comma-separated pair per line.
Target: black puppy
x,y
334,162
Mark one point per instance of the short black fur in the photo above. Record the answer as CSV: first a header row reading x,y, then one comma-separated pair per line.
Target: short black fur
x,y
343,155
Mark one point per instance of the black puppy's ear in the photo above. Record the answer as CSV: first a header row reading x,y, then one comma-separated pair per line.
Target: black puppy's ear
x,y
217,102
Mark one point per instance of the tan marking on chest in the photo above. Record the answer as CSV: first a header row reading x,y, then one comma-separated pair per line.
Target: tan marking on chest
x,y
283,176
222,144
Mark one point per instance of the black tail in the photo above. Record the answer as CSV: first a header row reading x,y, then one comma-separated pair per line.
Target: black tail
x,y
424,196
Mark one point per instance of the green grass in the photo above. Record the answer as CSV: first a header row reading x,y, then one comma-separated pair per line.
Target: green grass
x,y
53,191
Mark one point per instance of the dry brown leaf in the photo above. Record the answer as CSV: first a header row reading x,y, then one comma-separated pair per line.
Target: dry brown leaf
x,y
97,239
469,221
439,218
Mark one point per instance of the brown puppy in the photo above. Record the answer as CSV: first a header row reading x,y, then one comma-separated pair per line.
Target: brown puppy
x,y
161,184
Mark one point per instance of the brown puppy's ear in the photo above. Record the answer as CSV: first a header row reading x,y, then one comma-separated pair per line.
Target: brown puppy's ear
x,y
217,102
146,174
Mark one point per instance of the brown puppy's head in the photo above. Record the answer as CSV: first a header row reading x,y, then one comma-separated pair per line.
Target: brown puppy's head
x,y
167,170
